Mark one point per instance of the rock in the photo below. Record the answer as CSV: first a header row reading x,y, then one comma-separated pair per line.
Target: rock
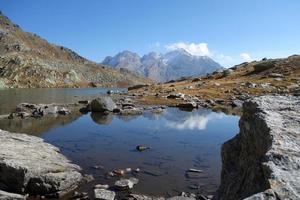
x,y
109,92
119,172
227,72
10,196
188,105
28,163
80,195
63,111
137,87
103,194
293,86
175,96
275,75
196,80
262,161
217,84
144,197
264,65
181,198
195,170
99,186
83,102
24,110
142,148
237,103
102,104
126,183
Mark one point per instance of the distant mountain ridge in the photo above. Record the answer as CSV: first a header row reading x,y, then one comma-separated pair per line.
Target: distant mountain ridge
x,y
27,60
163,67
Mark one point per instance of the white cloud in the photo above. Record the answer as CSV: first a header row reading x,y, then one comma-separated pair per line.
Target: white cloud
x,y
200,49
246,56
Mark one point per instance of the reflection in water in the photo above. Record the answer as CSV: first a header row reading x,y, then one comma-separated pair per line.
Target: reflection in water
x,y
110,140
100,118
175,146
195,121
37,126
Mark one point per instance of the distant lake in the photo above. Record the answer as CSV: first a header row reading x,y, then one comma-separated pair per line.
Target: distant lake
x,y
178,140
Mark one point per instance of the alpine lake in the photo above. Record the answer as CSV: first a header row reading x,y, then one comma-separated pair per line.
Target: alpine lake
x,y
178,141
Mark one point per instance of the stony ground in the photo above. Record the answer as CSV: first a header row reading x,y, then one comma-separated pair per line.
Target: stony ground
x,y
227,89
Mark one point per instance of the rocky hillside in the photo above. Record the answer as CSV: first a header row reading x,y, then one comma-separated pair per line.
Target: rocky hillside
x,y
262,161
163,67
26,60
229,87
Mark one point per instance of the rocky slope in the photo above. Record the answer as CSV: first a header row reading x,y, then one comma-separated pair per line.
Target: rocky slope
x,y
263,160
229,87
163,67
26,60
24,170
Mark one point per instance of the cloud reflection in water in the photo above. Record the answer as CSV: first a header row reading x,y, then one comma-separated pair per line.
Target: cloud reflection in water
x,y
194,122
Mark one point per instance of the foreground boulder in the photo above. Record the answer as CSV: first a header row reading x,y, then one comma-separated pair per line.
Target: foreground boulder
x,y
263,160
102,104
29,165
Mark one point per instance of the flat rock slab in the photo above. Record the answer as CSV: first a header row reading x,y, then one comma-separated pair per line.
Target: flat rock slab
x,y
29,165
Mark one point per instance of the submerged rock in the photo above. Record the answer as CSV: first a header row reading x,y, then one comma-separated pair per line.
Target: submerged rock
x,y
126,183
142,148
102,104
28,164
262,161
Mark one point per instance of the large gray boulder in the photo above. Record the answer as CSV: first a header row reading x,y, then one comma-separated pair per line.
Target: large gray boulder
x,y
102,104
29,165
263,160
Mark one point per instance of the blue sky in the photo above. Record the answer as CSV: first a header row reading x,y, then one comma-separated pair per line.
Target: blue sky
x,y
229,31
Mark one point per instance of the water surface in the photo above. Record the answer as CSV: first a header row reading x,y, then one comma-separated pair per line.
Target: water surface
x,y
178,140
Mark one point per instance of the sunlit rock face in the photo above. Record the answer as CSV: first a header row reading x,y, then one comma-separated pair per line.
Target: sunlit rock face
x,y
262,161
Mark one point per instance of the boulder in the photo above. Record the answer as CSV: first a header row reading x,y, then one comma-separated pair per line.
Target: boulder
x,y
188,105
102,104
262,161
29,165
264,65
126,183
104,194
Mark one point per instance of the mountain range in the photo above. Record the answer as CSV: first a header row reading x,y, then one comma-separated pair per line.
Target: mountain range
x,y
163,67
27,60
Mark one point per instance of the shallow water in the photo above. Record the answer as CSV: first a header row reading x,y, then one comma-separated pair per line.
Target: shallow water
x,y
178,140
9,98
